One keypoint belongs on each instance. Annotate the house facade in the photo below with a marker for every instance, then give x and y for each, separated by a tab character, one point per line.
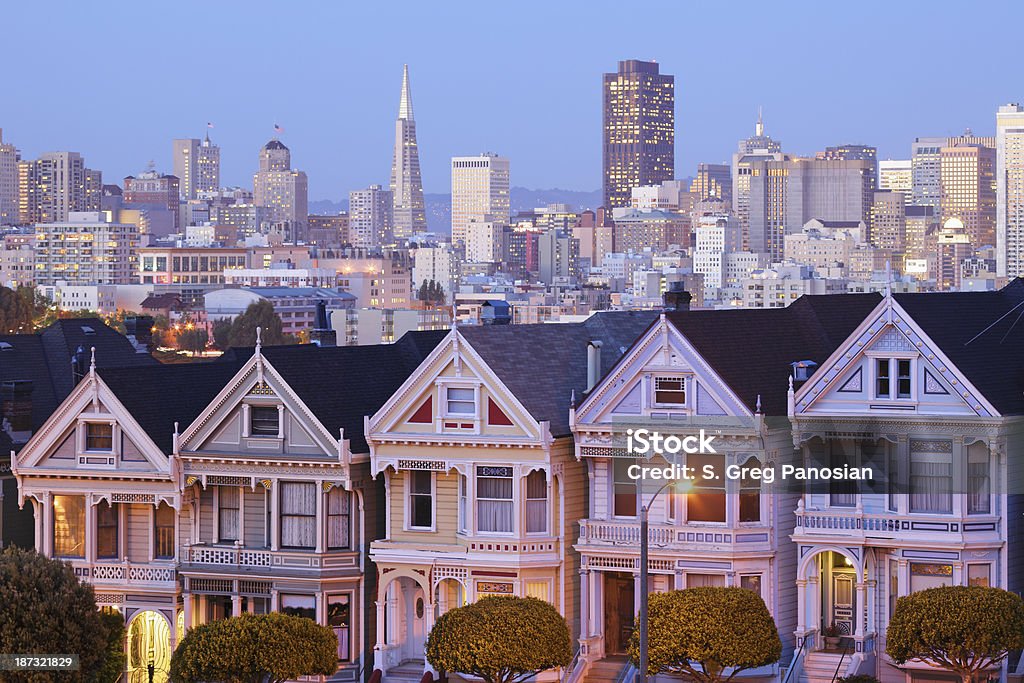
484	493
926	392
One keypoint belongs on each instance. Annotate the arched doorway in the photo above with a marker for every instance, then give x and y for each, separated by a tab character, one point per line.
149	642
834	601
449	594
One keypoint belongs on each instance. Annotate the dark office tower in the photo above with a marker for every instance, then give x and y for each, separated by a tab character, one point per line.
853	153
639	130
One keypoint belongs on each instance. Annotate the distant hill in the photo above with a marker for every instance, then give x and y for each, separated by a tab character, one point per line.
439	206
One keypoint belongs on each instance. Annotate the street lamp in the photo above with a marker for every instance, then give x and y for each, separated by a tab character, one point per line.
644	543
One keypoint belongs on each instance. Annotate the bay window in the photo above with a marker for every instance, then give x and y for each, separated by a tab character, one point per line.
298	515
624	489
338	519
228	502
706	503
979	501
750	493
931	476
163	532
421	499
299	605
339	618
106	531
494	499
536	502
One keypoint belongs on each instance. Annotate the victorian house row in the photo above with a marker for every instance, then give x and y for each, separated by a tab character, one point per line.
374	488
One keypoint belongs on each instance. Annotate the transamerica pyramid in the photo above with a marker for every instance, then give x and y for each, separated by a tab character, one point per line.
406	183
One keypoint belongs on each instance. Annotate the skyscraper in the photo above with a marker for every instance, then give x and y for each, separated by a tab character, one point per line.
408	214
155	189
968	192
283	191
1009	190
925	169
713	180
852	152
758	147
480	191
896	175
369	216
8	182
639	130
197	166
54	185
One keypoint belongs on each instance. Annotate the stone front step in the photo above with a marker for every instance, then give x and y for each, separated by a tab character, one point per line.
606	670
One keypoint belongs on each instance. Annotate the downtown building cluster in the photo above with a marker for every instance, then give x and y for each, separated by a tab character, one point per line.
373	488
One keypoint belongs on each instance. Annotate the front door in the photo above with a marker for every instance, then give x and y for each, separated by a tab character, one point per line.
415	620
619	611
843	608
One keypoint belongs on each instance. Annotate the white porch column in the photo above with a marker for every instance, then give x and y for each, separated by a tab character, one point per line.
38	510
90	529
958	572
236	599
319	524
202	609
378	648
186	599
584	604
872	626
679	581
859	613
275	600
814	584
47	525
801	605
241	515
275	522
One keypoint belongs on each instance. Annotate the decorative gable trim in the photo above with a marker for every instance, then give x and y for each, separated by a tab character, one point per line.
932	385
425	413
496	416
855	384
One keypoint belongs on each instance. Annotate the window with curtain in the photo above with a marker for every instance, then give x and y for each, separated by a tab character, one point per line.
494	499
99	436
702	580
925	575
536	502
979	501
842	492
298	514
750	494
163	532
978	575
69	526
624	488
228	503
463	482
421	499
339	618
751	582
706	502
338	519
106	530
931	476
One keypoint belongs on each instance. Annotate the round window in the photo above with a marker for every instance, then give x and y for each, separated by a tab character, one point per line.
419	608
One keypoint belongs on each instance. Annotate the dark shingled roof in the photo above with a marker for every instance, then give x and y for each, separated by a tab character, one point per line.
751	349
340	384
543	364
992	360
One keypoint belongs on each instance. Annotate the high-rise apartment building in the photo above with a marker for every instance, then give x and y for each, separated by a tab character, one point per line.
639	130
896	175
713	181
282	191
480	192
54	185
151	188
88	248
369	216
889	221
968	190
8	182
196	163
408	213
926	168
760	147
1009	190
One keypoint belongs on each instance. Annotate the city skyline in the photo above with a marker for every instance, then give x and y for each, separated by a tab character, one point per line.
344	143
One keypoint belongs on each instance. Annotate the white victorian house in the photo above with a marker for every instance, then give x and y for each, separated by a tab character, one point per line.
927	391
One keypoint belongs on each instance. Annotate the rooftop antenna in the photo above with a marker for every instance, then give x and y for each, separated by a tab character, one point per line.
759	128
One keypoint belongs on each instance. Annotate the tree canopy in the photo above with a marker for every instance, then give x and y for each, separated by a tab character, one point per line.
255	648
431	293
710	633
46	610
500	639
259	314
17	310
963	629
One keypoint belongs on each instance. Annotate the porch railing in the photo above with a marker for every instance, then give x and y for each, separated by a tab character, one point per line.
124	572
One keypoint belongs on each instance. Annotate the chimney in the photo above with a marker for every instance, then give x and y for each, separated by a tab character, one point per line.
676	297
78	364
139	330
593	363
322	334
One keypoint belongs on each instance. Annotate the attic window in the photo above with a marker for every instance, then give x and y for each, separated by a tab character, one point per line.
670	391
263	421
99	436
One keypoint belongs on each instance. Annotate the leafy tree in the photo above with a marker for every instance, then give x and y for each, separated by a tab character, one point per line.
255	648
194	340
710	634
500	639
46	610
259	314
431	293
963	629
116	659
222	333
17	309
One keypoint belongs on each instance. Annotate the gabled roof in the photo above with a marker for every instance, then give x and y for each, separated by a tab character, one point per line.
158	396
982	334
751	349
543	364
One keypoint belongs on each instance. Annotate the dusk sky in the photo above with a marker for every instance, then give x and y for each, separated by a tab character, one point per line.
520	78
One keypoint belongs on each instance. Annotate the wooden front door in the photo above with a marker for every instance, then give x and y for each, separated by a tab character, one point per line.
619	611
843	602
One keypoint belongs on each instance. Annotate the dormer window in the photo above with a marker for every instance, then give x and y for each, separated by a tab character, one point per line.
893	378
670	391
264	421
99	436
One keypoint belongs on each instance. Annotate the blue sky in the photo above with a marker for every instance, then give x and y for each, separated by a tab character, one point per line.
519	78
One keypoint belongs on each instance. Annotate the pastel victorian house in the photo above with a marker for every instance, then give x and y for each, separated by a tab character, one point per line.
927	391
723	373
484	490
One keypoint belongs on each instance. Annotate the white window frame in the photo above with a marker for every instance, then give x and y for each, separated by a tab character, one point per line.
407	522
474	416
687	385
114	436
547	503
516	501
893	359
